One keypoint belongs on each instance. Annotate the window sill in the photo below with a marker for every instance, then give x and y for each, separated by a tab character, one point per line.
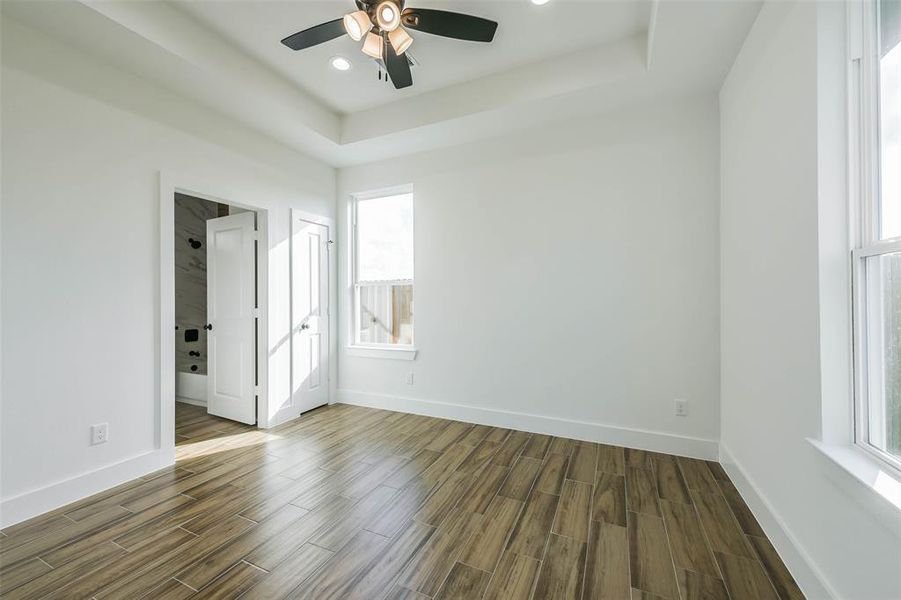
405	353
865	469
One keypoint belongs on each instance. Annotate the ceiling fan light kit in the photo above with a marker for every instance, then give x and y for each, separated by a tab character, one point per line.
373	46
357	24
400	39
382	25
387	15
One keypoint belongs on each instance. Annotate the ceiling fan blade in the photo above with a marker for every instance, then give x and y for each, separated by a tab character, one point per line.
398	68
315	35
449	24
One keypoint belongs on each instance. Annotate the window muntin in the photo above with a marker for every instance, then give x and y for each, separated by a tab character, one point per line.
877	254
383	270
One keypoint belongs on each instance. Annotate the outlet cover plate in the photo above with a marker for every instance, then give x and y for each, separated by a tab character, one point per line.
99	433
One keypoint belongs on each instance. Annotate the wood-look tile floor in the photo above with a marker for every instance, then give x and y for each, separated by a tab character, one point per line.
349	502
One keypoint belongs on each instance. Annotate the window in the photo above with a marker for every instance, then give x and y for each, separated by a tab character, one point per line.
383	270
877	253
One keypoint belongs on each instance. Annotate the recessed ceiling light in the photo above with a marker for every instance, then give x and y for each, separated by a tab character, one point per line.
339	63
539	2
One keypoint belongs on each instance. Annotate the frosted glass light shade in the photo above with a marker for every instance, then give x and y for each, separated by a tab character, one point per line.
387	15
356	24
400	40
373	46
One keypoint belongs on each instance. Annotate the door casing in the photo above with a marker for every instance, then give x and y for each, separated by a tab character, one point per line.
214	190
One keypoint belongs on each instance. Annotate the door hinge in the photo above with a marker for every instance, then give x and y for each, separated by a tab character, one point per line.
256	390
256	313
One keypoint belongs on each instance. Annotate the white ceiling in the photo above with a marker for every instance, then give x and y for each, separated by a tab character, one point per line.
526	33
566	59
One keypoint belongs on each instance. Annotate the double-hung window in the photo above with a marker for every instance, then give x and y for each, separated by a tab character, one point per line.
383	270
876	258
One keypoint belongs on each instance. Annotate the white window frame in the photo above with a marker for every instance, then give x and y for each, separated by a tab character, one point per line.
865	206
354	348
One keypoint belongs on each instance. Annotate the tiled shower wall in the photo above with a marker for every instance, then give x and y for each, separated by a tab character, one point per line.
191	215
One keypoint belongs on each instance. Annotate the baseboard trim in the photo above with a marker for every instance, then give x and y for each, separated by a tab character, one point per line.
191	401
36	502
808	577
590	432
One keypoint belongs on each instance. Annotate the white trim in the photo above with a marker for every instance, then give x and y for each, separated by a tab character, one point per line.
580	430
213	190
165	369
876	479
191	401
394	190
389	352
864	169
353	258
798	561
37	502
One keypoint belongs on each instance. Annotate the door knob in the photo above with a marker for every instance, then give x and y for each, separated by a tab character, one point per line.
208	326
305	326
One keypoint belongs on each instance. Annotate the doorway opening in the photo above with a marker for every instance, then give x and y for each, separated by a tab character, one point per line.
216	318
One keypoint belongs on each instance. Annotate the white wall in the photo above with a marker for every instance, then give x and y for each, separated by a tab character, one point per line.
569	272
80	251
784	278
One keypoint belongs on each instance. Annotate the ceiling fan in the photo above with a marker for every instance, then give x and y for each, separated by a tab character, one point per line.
384	24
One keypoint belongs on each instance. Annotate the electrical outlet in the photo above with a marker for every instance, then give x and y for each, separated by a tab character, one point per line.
410	378
99	434
680	408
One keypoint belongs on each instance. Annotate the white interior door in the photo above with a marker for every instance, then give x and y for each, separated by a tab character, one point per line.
231	299
309	315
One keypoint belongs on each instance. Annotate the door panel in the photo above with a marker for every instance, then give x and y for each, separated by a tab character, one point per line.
309	315
231	285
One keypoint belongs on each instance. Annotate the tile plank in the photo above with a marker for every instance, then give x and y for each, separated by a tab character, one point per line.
607	564
463	583
288	575
698	476
783	581
611	459
641	491
428	569
531	531
573	511
650	559
697	586
552	473
670	483
723	532
562	570
513	578
483	549
740	510
583	463
687	542
609	501
745	579
519	482
344	568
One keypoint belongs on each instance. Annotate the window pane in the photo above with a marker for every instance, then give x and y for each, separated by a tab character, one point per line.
883	318
385	314
890	117
385	238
